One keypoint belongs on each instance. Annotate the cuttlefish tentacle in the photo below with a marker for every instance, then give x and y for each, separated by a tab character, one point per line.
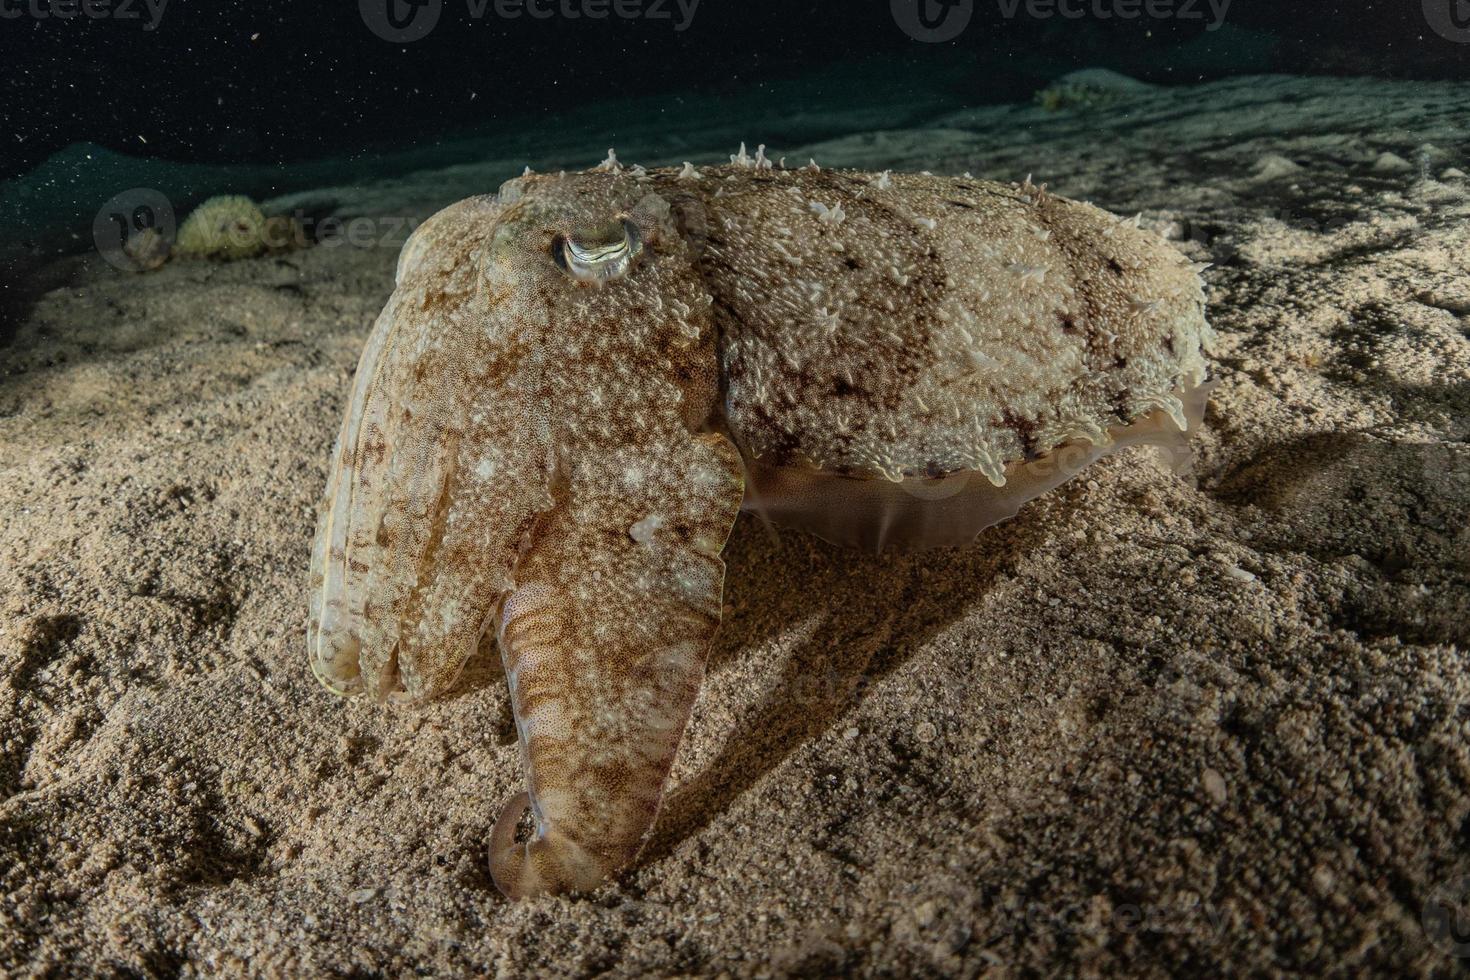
604	644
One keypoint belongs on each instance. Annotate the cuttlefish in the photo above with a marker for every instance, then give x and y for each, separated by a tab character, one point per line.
578	383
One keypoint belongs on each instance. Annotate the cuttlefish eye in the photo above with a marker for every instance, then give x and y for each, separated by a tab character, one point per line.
601	257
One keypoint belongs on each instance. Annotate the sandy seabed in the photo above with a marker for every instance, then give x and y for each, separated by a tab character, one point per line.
1151	725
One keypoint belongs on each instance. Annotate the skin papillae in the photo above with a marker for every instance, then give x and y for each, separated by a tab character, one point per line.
578	382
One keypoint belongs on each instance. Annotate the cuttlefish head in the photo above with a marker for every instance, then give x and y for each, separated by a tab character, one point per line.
468	402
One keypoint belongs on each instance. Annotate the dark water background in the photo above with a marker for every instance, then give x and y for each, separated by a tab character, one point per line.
300	93
274	81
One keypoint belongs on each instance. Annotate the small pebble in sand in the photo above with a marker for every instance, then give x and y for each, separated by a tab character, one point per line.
926	732
1214	784
1273	166
1392	163
1324	880
926	914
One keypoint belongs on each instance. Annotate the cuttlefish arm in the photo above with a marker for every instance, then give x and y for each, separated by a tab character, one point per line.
604	643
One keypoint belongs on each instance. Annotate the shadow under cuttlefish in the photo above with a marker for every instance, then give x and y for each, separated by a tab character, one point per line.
871	614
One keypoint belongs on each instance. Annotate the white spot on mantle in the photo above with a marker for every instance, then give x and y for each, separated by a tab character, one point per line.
644	530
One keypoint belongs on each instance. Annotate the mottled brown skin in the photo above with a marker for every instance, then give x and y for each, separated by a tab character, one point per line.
542	433
943	325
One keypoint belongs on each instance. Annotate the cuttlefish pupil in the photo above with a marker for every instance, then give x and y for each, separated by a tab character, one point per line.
601	257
